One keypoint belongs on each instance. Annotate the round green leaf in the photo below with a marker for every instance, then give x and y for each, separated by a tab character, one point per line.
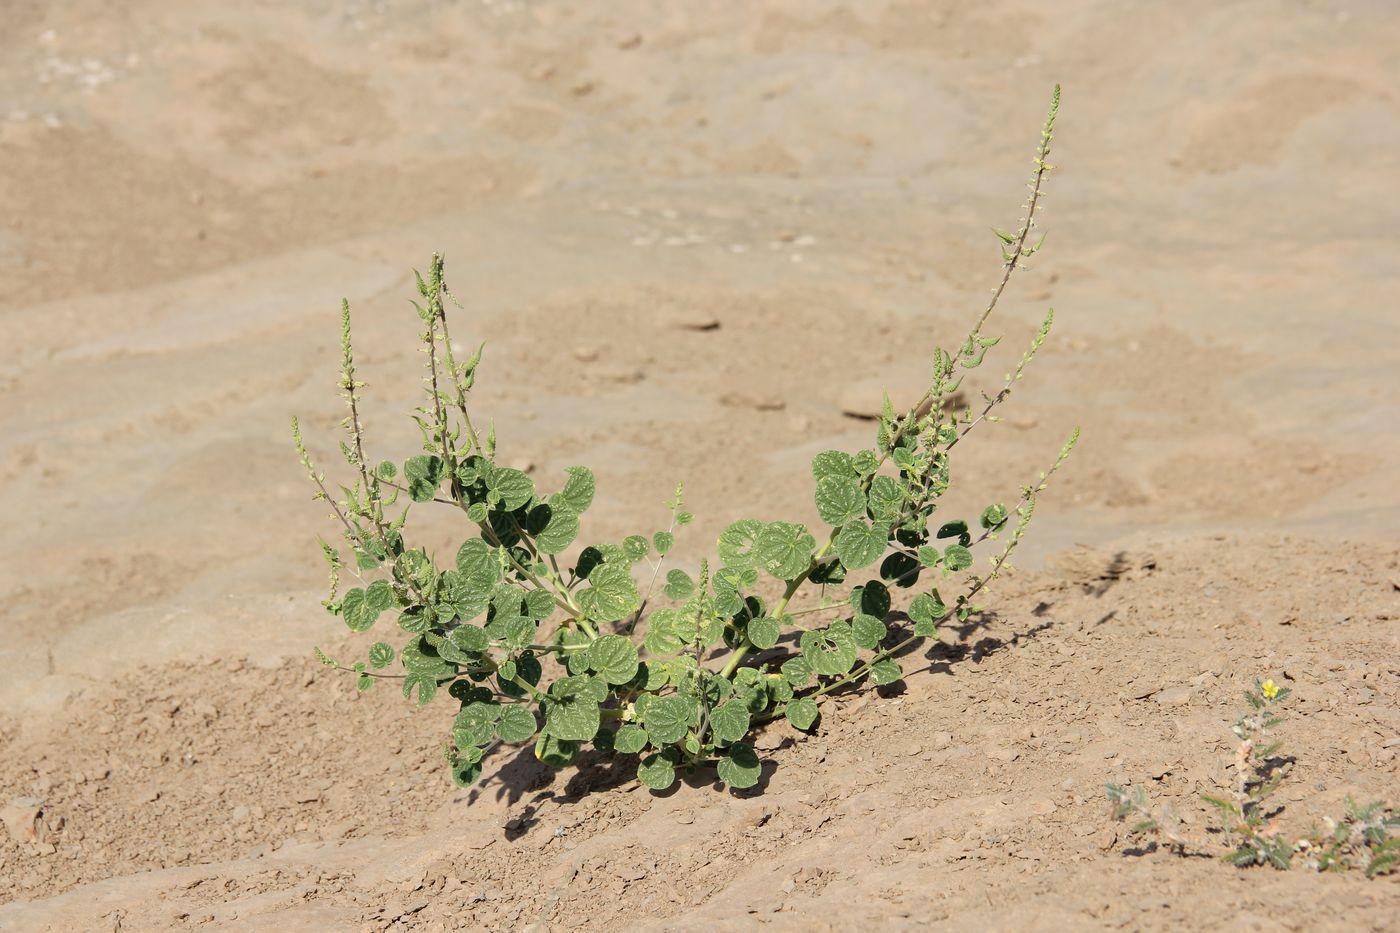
480	564
513	486
612	594
729	722
380	655
802	712
635	547
860	545
614	658
839	499
630	739
741	767
656	771
578	490
830	651
784	549
797	671
679	585
573	717
873	599
668	718
663	541
885	498
867	630
557	753
736	543
836	463
561	531
957	557
424	475
885	671
465	771
994	516
764	632
475	724
517	724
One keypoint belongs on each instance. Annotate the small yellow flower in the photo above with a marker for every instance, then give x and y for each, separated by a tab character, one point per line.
1270	689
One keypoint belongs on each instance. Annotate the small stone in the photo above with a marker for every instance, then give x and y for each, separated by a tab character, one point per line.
1174	696
585	354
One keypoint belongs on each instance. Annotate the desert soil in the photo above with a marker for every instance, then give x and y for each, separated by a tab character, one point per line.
694	238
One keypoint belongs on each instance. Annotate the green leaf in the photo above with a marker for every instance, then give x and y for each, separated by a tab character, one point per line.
679	585
764	632
830	651
517	724
614	658
668	718
737	542
802	712
513	486
357	614
784	549
363	682
612	593
470	638
927	611
663	541
885	498
839	499
479	563
873	599
994	516
424	475
539	604
797	672
630	739
555	752
475	724
885	671
425	684
571	709
465	771
957	557
386	470
741	767
562	530
833	463
657	771
867	630
729	722
635	547
578	490
860	545
866	462
380	655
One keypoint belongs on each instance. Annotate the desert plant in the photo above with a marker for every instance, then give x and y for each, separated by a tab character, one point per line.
534	646
1248	821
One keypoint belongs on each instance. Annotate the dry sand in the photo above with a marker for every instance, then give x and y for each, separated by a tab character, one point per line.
187	190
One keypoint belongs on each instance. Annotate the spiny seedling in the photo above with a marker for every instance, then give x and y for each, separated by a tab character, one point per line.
1248	818
537	640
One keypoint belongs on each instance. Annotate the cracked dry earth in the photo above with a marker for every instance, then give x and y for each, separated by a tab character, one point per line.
699	240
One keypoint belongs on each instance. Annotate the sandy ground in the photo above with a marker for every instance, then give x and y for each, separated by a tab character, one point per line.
187	190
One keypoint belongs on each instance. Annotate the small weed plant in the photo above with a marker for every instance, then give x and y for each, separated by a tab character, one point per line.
543	636
1361	839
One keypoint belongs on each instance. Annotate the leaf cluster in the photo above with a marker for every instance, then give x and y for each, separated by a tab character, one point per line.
542	635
